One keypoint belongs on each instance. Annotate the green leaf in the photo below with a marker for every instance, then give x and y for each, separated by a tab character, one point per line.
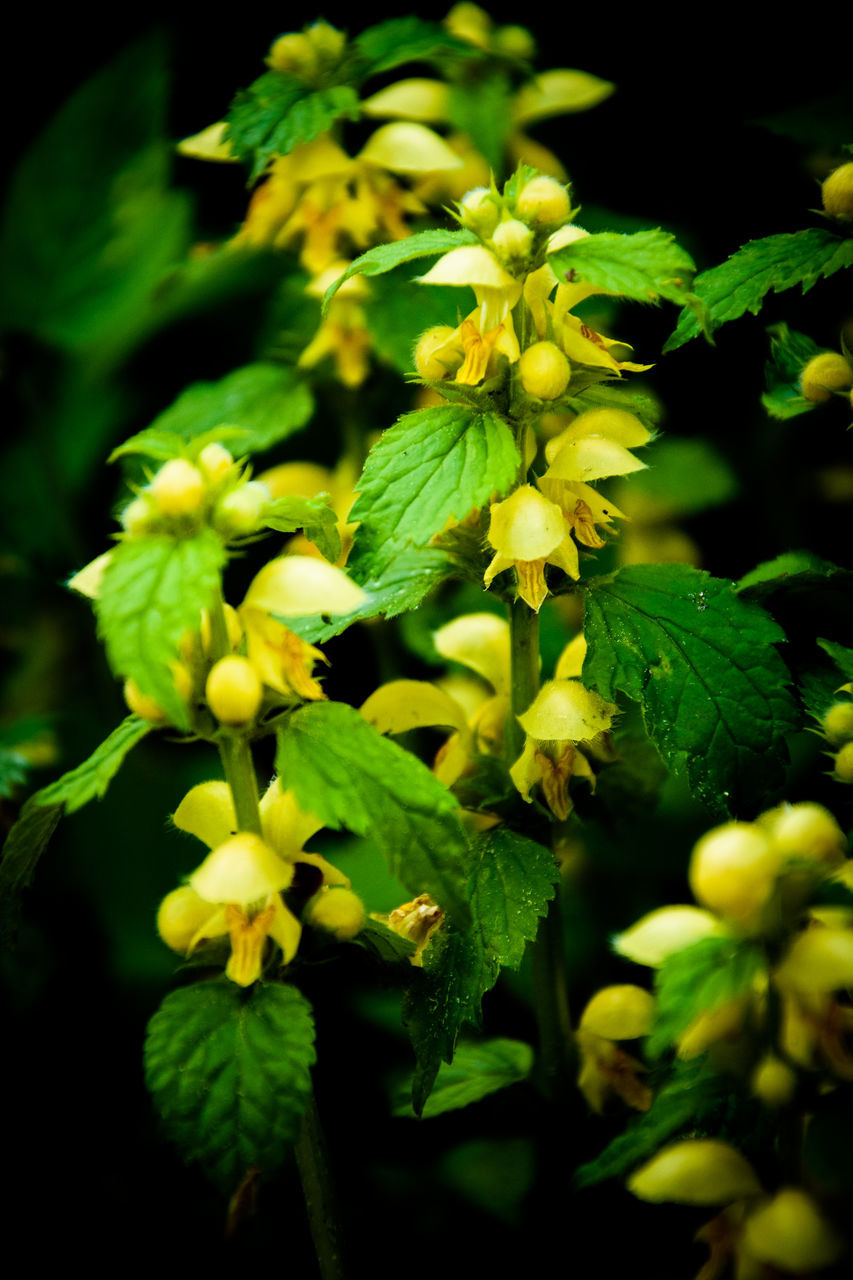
163	445
314	515
24	845
644	265
279	112
789	353
481	107
511	880
610	396
478	1069
229	1071
399	311
89	781
268	402
432	466
766	577
385	257
698	979
701	662
154	590
346	773
383	943
841	655
777	262
695	1102
688	476
400	40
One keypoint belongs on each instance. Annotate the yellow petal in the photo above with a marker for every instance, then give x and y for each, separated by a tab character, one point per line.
209	144
790	1232
241	871
470	265
564	710
297	586
614	424
300	478
286	827
286	930
697	1171
207	812
570	661
315	160
415	99
479	641
248	936
622	1012
663	932
592	458
553	93
411	704
281	659
819	960
526	526
406	147
528	769
331	874
720	1023
88	579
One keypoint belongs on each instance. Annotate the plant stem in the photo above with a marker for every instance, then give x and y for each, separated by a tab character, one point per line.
524	671
310	1152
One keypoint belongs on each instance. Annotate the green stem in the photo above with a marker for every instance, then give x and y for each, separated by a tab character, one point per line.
239	767
524	669
310	1152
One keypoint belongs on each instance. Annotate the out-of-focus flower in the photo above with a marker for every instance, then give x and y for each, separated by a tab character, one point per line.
615	1013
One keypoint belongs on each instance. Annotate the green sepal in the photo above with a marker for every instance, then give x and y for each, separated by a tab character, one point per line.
153	590
790	352
776	262
279	112
384	944
385	257
643	265
479	1067
314	515
340	769
698	979
229	1069
701	663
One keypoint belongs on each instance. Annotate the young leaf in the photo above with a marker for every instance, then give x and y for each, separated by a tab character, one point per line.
24	845
702	664
267	401
346	773
432	466
154	590
400	40
385	257
698	979
229	1071
479	1067
314	515
789	353
777	262
643	265
279	112
89	781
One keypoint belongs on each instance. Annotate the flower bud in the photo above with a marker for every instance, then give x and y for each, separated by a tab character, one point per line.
215	461
512	240
773	1081
233	690
790	1232
239	512
327	42
824	374
622	1012
340	911
436	366
137	516
469	22
696	1171
515	42
178	488
837	724
545	371
543	202
145	707
733	870
843	771
233	626
180	916
837	192
805	830
479	210
293	54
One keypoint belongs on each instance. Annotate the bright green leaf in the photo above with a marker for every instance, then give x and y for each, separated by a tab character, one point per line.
314	515
89	781
230	1073
702	664
346	773
777	262
841	655
162	445
279	112
697	980
154	590
789	353
644	265
479	1067
385	257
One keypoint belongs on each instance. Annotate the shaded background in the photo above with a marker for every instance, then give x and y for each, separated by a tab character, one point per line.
684	144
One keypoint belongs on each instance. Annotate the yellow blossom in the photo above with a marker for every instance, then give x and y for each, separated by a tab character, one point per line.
615	1013
488	329
528	532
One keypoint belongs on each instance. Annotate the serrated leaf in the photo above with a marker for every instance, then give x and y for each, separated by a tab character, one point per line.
701	663
267	401
511	880
409	39
481	107
841	655
314	515
24	845
346	773
162	445
385	257
479	1067
777	262
789	353
770	574
153	590
383	943
89	781
279	112
698	979
432	466
643	265
229	1070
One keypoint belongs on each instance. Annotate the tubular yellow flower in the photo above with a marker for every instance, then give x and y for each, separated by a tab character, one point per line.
696	1171
837	192
790	1232
339	911
662	933
417	921
563	714
489	328
528	532
615	1013
733	871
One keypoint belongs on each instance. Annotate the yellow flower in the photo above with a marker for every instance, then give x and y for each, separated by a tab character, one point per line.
528	532
343	332
488	329
615	1013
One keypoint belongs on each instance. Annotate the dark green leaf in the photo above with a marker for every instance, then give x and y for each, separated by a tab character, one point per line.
645	265
702	664
432	466
386	945
89	781
766	578
479	1067
777	262
409	39
346	773
314	515
154	590
13	771
611	396
24	845
230	1073
841	655
698	979
385	257
481	106
789	353
279	112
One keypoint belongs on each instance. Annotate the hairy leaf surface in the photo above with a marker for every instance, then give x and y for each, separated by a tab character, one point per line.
279	112
643	265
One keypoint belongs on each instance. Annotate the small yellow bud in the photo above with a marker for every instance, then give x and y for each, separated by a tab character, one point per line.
733	870
232	623
844	764
805	830
479	211
512	240
469	22
327	41
773	1081
543	202
233	690
180	916
141	705
137	515
837	724
239	512
515	42
837	192
696	1171
293	54
545	371
824	374
340	911
428	364
622	1012
790	1232
215	461
178	488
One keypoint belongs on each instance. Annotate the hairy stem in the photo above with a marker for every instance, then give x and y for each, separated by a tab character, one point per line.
524	668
